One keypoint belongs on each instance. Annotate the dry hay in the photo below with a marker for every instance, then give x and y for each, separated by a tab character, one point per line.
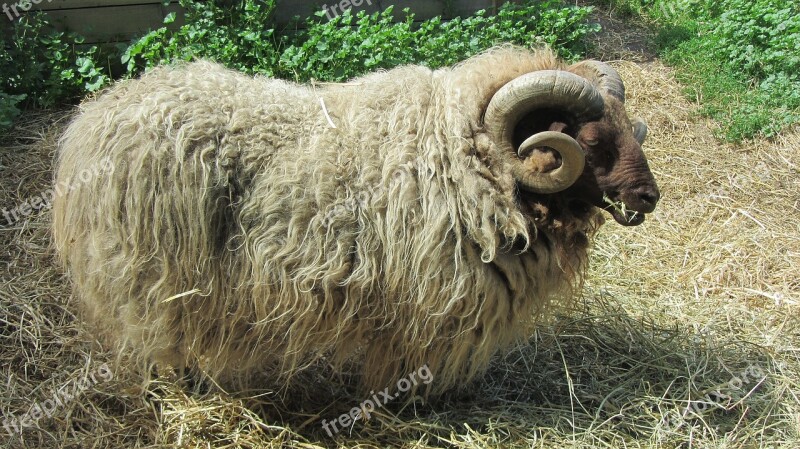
624	38
687	335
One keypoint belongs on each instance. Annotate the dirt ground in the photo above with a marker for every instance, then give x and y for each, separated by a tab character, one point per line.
686	335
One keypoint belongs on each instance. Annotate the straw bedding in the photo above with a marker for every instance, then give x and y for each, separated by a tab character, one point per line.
673	313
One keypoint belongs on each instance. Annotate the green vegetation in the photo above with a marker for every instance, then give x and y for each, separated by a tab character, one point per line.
741	58
41	67
350	45
44	67
239	35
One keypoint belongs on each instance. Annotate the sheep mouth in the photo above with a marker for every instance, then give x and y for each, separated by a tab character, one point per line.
622	214
582	209
627	217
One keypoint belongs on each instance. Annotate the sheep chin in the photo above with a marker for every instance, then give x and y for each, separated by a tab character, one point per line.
628	217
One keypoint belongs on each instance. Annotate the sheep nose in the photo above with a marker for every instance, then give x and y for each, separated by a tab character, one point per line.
648	196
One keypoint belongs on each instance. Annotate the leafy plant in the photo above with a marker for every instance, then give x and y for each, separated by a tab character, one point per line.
740	56
533	23
348	45
42	67
8	109
236	34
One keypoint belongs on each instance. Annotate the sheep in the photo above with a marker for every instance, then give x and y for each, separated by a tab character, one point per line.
408	218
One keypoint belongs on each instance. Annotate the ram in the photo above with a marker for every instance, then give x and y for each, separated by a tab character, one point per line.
410	217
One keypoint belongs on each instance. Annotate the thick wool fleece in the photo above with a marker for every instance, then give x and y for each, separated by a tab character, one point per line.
393	240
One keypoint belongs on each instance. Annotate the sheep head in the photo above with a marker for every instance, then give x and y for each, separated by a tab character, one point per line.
577	119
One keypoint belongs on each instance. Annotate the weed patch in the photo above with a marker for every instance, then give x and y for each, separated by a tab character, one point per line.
738	58
44	67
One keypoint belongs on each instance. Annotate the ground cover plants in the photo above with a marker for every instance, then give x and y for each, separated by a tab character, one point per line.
41	68
350	45
46	67
740	59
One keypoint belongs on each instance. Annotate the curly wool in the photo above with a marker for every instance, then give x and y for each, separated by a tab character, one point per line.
393	240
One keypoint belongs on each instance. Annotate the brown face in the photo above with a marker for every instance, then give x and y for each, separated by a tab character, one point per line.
616	177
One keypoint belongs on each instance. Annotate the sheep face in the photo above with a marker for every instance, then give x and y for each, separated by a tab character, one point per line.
616	176
567	133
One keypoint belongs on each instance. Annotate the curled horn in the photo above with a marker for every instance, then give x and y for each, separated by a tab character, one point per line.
608	80
536	90
605	77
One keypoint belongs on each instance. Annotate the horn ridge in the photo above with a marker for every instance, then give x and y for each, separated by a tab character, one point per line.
554	89
603	75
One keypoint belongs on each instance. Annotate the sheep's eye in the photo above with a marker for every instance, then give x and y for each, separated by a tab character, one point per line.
592	142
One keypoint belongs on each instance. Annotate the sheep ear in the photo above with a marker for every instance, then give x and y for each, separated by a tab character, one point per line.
558	127
639	130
